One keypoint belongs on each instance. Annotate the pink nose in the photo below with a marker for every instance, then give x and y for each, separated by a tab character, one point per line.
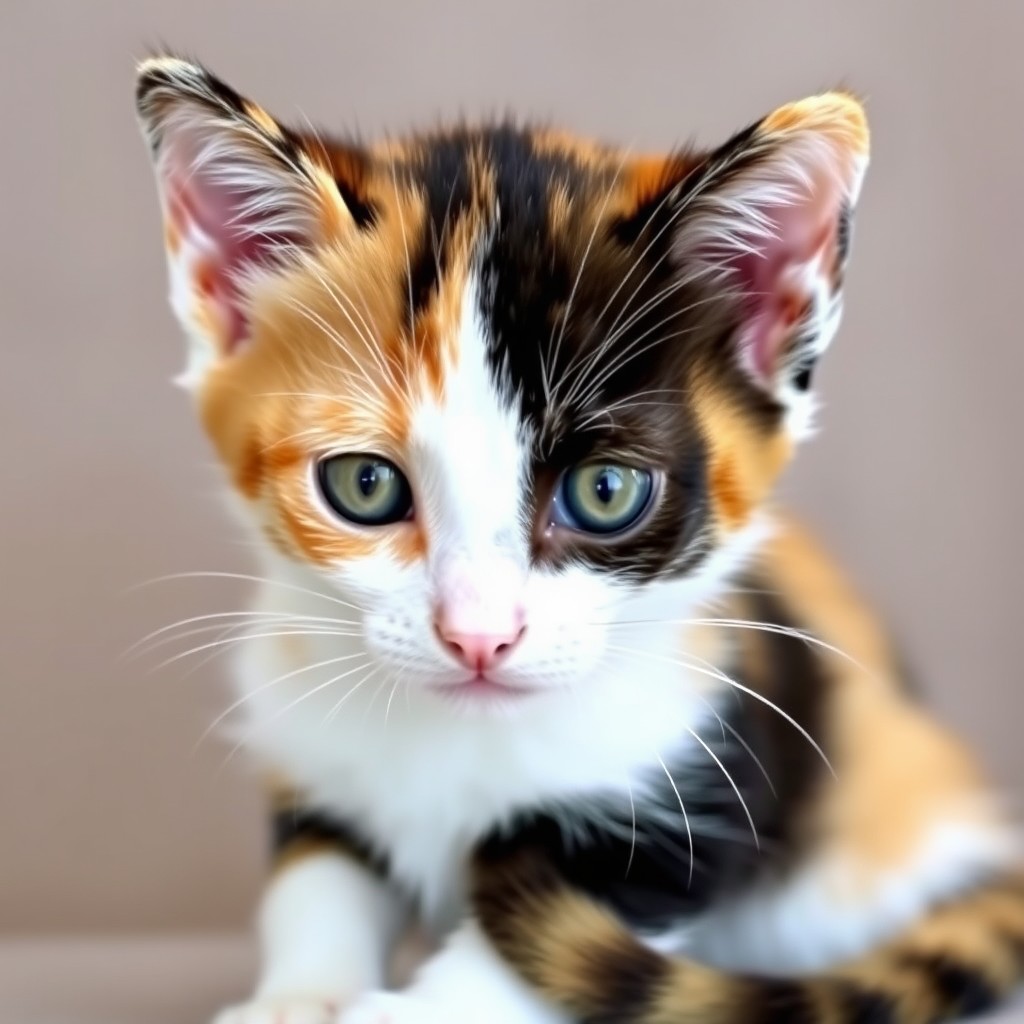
479	651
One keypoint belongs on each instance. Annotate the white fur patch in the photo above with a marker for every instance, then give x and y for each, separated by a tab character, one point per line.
327	925
466	983
834	909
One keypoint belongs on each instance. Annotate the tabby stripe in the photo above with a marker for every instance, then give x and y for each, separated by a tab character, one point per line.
585	960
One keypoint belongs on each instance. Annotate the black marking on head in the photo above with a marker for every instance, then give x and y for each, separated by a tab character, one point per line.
644	875
364	213
528	271
441	172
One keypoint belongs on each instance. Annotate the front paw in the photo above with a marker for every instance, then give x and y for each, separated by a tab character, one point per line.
283	1010
390	1008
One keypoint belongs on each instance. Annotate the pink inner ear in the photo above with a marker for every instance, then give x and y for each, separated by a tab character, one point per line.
221	237
779	280
217	254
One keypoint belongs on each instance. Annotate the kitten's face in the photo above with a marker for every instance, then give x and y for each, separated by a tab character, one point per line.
501	387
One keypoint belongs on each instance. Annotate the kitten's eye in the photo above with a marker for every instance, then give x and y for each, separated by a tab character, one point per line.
365	489
603	498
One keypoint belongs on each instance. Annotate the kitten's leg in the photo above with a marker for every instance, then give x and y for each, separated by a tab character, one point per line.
467	982
326	924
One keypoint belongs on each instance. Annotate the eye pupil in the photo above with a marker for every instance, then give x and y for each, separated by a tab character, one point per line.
607	485
368	479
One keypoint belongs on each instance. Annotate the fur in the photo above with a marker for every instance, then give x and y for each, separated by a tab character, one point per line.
664	773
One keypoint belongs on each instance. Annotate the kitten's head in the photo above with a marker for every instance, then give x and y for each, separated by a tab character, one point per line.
497	385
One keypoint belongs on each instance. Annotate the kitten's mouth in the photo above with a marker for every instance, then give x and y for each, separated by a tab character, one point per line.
481	688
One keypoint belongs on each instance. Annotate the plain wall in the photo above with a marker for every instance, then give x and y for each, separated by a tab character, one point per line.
108	818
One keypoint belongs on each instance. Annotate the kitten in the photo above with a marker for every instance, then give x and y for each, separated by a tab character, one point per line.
538	665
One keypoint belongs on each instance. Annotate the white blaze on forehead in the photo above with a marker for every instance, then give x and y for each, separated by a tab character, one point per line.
468	458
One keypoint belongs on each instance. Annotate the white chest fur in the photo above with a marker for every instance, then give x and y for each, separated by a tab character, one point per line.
424	780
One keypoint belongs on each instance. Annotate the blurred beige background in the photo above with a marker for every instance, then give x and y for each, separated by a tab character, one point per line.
108	821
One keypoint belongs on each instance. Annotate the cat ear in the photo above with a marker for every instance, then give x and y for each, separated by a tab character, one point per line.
240	195
766	218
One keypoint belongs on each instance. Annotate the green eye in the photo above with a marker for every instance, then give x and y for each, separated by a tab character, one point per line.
603	498
365	489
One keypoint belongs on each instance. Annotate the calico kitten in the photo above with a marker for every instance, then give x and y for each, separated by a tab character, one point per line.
537	663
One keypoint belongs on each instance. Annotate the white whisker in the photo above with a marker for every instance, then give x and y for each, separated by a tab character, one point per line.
263	687
686	818
548	365
333	713
251	636
715	673
632	841
245	578
242	614
732	782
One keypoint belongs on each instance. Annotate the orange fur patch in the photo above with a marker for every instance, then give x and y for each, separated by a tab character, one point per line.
899	771
744	462
836	114
333	364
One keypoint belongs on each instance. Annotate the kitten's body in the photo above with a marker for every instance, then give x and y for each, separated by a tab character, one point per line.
564	744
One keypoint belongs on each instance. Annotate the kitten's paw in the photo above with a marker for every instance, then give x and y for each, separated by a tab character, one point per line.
283	1010
390	1008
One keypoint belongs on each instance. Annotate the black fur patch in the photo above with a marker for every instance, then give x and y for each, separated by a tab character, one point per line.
297	824
628	981
636	858
802	379
964	989
780	1002
844	234
363	212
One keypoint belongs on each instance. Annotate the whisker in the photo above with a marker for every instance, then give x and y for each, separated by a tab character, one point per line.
626	355
746	746
317	320
366	332
333	713
686	817
637	262
245	578
408	261
373	699
281	712
250	636
715	673
391	697
751	624
632	841
732	782
548	365
224	630
369	339
263	687
255	614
